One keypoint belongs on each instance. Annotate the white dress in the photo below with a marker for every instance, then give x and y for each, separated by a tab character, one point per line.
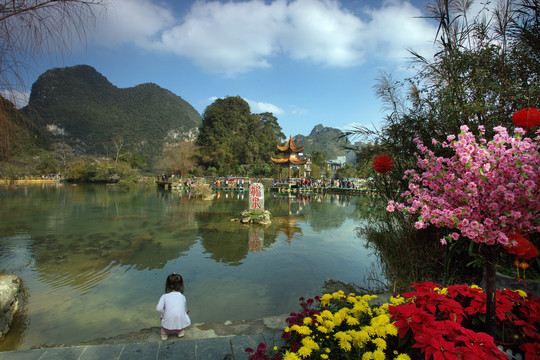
172	310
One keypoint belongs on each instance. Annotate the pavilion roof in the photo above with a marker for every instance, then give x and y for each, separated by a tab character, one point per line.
292	160
290	146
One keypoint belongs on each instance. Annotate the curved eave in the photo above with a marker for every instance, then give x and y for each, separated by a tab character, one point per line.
299	161
280	161
291	160
290	145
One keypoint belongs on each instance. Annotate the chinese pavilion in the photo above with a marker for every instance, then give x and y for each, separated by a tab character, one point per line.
290	157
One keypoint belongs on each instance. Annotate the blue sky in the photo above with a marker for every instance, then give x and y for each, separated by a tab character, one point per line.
307	61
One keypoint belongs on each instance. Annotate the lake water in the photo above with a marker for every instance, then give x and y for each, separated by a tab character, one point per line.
94	260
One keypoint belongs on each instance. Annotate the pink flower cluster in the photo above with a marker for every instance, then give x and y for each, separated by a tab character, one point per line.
486	190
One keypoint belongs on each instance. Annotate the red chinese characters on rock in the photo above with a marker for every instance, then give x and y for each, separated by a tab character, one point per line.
255	204
256	200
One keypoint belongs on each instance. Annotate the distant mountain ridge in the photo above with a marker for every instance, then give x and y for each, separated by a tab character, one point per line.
79	106
325	139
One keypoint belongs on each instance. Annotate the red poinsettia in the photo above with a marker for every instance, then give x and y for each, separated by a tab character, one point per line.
445	334
526	118
383	164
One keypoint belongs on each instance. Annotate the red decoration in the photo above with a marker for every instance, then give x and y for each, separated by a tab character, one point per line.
383	164
523	249
526	118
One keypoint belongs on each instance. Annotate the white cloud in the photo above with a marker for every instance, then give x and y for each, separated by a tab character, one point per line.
131	21
238	36
299	111
18	98
396	27
258	107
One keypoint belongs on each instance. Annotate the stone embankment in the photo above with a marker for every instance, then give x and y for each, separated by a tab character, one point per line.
10	289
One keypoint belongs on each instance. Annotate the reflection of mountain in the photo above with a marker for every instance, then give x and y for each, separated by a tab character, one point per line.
226	241
85	260
321	217
91	231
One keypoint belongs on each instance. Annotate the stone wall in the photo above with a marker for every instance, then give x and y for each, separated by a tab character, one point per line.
10	288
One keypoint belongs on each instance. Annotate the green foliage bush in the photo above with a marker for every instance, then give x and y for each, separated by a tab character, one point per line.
231	137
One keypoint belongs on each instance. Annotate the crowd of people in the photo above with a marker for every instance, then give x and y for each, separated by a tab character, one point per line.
323	183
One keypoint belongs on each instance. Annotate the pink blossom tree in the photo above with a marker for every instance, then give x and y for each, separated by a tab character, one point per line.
485	192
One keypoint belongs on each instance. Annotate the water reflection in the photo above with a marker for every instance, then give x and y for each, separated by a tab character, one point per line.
95	259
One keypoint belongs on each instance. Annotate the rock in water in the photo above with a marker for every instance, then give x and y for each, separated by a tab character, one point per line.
10	287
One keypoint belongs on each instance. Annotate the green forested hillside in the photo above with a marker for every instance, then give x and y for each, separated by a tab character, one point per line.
324	139
79	106
17	134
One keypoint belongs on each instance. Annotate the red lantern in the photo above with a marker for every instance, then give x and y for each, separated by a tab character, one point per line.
526	118
523	249
383	164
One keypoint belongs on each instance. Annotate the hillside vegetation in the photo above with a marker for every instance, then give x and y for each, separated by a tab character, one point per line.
324	139
79	124
80	107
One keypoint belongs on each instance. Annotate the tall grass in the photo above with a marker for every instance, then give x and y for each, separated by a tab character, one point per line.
409	255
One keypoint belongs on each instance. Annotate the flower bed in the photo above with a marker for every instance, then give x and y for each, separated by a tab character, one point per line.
429	322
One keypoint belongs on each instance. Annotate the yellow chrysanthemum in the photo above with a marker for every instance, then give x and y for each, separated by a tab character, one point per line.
354	337
322	329
290	356
352	299
443	291
352	321
329	325
342	336
344	312
302	330
370	330
379	343
326	314
327	350
367	356
324	356
362	337
325	299
391	329
304	352
383	308
338	319
380	320
475	287
345	345
402	357
359	309
378	355
308	321
522	293
275	348
338	295
310	343
397	300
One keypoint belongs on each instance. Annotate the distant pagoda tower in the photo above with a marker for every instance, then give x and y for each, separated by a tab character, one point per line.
290	157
